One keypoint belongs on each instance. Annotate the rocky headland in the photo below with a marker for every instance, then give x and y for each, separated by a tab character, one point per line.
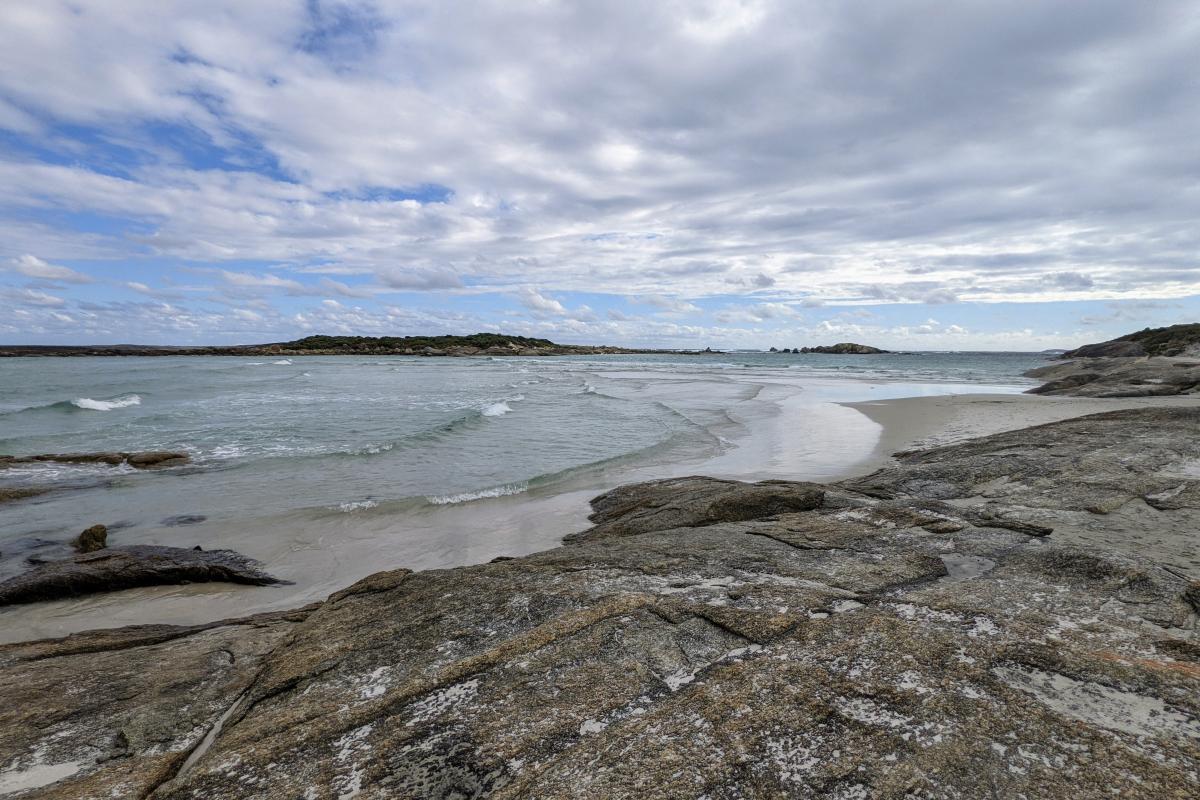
844	349
1155	362
975	620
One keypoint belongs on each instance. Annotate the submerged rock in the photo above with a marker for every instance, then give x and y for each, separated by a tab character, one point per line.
882	637
11	493
128	567
143	460
183	519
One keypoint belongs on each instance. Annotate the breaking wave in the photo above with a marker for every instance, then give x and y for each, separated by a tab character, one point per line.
483	494
88	404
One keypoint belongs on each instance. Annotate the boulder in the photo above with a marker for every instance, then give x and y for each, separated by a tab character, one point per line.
92	539
116	568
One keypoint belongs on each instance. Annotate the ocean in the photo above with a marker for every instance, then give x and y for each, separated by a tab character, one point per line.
330	468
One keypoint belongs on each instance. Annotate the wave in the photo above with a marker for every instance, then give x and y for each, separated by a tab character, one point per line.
497	409
125	401
352	506
283	362
502	407
506	490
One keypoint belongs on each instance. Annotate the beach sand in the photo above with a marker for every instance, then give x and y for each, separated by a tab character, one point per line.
914	423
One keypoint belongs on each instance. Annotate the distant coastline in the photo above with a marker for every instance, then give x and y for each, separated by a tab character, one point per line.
477	344
489	344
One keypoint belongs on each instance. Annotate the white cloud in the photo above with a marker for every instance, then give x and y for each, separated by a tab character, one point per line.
33	267
899	169
540	304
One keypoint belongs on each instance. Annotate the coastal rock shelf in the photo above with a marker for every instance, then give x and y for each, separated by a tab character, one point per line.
1120	377
925	631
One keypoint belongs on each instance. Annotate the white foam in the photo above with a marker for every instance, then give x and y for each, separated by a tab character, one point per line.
497	410
89	404
482	494
283	362
356	505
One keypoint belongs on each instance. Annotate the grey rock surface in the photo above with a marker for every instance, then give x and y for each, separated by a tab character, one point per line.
921	632
1120	377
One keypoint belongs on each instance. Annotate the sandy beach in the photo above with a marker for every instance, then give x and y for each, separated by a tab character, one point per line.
913	423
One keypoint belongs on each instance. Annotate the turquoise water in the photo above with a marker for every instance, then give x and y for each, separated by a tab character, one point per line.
328	468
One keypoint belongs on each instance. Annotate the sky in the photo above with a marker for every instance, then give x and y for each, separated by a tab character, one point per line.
724	173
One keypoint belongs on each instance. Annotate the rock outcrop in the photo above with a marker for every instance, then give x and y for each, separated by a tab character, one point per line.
108	569
844	348
919	632
1119	377
144	460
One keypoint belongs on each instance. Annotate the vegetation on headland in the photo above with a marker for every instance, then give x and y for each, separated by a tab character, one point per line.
840	349
1175	340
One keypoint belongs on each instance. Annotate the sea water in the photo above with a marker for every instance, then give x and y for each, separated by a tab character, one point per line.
330	468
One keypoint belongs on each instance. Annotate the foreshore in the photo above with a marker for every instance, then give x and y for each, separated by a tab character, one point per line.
522	524
1012	614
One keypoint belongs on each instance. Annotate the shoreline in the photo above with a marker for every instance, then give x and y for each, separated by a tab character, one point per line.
915	423
540	523
782	427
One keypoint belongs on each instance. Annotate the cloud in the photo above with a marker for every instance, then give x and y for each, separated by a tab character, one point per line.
1005	154
32	297
540	304
760	312
33	267
668	305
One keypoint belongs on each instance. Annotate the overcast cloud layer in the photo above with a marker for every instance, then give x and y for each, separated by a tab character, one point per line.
960	175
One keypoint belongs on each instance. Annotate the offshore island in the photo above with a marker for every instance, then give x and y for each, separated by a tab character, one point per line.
993	609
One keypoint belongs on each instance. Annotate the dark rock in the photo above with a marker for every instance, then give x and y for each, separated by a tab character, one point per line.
183	519
145	460
116	568
156	459
93	539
